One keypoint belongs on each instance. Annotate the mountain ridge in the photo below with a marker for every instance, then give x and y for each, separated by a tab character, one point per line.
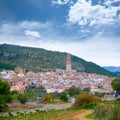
112	68
39	59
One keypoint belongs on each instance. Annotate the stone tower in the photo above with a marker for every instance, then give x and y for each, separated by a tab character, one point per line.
68	62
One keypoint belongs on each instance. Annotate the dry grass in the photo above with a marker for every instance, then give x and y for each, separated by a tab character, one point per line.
17	107
77	115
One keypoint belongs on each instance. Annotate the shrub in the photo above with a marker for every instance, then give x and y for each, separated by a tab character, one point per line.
63	96
22	98
3	107
14	92
90	105
10	114
107	112
47	98
115	112
100	112
85	99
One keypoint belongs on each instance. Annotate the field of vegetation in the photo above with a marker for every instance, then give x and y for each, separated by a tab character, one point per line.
67	114
102	111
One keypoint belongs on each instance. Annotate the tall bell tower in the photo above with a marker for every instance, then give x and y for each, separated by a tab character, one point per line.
68	62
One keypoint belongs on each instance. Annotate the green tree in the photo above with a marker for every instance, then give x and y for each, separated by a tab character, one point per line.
63	96
34	92
86	89
5	95
73	90
116	85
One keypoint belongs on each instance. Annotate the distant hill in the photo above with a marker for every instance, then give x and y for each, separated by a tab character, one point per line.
37	59
112	68
117	74
115	70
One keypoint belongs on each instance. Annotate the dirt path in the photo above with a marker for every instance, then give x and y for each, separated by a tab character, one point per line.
79	115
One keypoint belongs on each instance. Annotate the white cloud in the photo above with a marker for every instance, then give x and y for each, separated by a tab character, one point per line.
29	24
32	33
25	28
59	2
116	0
32	25
108	2
98	49
83	12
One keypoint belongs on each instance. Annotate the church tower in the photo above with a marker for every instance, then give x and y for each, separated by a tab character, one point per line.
68	62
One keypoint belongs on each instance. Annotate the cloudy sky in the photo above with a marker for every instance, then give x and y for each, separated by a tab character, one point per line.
89	29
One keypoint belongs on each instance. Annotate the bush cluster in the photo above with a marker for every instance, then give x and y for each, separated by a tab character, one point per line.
22	98
47	98
84	99
63	96
107	112
90	105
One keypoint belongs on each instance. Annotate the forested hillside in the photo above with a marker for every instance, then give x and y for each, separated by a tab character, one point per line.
37	59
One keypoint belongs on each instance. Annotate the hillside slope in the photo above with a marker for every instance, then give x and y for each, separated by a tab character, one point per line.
37	59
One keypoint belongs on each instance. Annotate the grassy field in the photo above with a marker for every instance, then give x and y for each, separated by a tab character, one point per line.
86	112
66	114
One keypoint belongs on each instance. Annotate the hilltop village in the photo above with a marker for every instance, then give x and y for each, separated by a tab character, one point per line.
57	81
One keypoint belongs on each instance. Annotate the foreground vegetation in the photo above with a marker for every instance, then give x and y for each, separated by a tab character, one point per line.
38	115
102	111
43	115
86	103
107	110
